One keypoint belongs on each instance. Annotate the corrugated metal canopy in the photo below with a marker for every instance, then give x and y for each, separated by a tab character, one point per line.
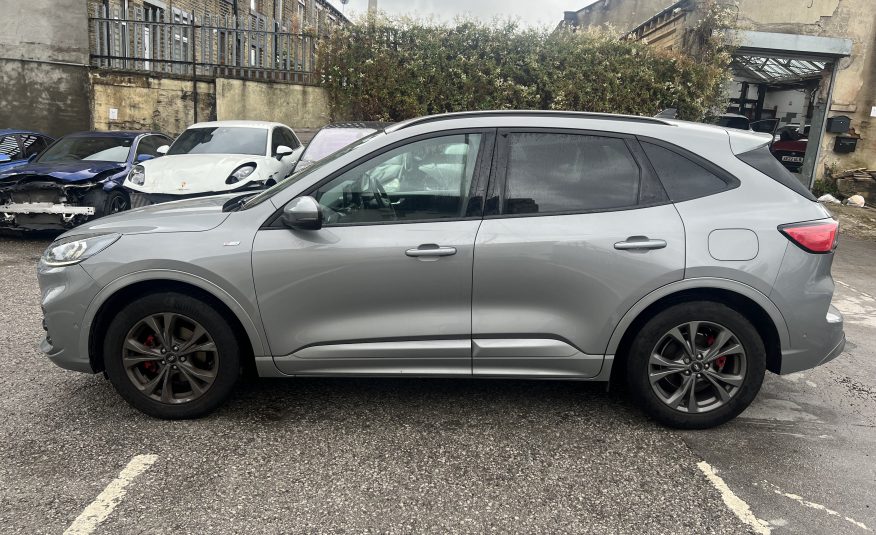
774	70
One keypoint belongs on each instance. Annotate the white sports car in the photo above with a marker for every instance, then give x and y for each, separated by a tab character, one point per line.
216	157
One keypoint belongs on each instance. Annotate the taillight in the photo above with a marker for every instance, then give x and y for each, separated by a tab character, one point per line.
813	237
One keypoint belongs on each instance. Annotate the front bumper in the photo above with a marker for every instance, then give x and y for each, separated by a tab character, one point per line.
66	293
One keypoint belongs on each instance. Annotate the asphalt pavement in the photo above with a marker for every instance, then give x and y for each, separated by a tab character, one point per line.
415	455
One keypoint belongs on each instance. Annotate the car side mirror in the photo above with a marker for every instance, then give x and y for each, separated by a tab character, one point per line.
163	149
5	158
303	213
144	157
283	151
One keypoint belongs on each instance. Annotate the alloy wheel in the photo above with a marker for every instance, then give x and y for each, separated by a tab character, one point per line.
170	358
697	367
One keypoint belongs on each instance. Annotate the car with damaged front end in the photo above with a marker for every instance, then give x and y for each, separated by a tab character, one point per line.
75	179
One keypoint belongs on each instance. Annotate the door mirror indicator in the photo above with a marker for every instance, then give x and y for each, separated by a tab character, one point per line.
303	213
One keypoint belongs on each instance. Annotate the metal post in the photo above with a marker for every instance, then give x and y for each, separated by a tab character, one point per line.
194	70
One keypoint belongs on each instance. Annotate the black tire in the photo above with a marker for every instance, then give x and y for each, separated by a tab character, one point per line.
638	365
108	202
226	367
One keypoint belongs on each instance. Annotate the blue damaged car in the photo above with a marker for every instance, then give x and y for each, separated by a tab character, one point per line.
75	179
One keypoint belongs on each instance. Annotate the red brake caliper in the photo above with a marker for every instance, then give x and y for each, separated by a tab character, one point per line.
150	365
720	361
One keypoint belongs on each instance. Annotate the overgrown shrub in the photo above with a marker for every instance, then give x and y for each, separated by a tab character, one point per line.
384	69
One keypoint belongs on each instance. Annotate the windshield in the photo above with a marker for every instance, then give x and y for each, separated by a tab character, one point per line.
331	140
283	184
100	148
221	140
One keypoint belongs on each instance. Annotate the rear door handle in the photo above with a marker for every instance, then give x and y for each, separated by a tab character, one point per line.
634	243
430	250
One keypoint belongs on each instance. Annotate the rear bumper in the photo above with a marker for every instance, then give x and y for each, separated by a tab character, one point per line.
819	348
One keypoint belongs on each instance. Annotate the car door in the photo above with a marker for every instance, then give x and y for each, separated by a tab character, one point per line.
280	137
577	229
384	287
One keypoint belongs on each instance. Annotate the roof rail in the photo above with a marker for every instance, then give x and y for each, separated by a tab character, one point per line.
526	113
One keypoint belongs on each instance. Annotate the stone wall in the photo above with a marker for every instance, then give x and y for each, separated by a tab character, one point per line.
166	104
299	106
43	66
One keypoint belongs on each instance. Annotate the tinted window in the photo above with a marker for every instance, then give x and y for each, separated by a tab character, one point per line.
682	178
9	147
221	140
101	148
149	145
32	144
551	173
424	180
763	160
282	136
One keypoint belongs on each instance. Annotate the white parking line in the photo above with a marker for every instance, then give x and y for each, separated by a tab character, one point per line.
98	510
819	507
734	502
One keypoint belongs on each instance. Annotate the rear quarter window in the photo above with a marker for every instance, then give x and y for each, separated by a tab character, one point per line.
763	160
682	178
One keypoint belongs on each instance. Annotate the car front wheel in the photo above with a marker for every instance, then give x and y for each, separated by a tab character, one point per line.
696	365
171	356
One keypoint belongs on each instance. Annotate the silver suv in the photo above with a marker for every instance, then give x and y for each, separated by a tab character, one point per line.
679	257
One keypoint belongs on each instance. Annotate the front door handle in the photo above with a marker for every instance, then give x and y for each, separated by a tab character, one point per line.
430	250
634	243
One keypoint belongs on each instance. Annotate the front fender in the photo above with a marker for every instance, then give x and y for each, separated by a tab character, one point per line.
256	337
694	284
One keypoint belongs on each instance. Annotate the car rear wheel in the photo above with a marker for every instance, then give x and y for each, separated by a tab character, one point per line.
171	356
696	365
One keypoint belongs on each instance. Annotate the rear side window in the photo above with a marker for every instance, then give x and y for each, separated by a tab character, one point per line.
682	178
9	147
556	173
763	160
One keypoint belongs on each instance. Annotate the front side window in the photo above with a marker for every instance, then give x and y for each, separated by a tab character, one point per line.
563	173
221	140
425	180
100	148
149	145
32	144
281	136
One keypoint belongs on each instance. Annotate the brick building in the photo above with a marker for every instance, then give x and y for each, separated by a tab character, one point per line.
294	16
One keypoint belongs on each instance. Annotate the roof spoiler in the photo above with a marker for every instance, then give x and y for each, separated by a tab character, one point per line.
668	113
743	141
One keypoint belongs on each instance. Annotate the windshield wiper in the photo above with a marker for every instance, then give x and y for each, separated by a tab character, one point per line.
236	203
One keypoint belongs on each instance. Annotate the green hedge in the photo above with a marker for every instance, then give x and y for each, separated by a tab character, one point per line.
391	70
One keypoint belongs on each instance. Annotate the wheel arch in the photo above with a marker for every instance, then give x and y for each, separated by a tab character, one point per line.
753	304
122	291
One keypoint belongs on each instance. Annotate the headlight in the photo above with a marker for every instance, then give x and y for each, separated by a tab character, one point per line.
138	175
240	173
75	249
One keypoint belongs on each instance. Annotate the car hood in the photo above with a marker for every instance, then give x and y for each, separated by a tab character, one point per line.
65	171
189	174
191	215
